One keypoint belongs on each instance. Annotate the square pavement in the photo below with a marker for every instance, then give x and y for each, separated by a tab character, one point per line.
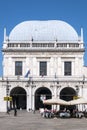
30	121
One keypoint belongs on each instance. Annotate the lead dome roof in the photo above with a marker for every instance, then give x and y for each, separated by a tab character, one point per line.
50	30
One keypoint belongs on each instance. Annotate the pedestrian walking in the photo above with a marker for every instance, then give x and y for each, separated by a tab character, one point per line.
15	112
8	111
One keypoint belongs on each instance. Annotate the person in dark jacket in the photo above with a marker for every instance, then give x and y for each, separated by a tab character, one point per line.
15	112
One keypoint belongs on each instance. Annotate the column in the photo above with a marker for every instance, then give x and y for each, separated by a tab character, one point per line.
28	99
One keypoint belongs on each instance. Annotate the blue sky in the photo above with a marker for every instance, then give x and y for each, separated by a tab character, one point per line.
12	12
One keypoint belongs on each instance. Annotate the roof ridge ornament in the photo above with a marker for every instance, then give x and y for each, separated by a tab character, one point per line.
81	34
4	34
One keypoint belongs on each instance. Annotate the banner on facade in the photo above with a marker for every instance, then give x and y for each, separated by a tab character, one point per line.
7	98
75	97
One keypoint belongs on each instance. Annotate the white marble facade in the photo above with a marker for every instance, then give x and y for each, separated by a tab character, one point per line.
54	42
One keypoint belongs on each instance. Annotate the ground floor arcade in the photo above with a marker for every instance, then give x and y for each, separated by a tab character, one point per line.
32	98
31	95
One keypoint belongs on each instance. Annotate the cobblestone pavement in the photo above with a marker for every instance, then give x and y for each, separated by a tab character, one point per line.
30	121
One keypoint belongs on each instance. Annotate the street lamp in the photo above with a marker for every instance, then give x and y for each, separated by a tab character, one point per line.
77	90
83	81
7	94
29	82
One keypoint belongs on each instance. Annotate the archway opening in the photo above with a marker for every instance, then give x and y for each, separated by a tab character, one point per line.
41	94
67	94
18	95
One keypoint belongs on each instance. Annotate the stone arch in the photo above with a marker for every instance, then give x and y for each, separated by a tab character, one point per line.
67	94
18	95
41	94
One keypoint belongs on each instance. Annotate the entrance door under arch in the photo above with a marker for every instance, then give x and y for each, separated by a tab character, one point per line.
18	97
67	94
41	94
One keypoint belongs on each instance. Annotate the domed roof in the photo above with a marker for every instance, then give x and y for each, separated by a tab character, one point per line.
50	30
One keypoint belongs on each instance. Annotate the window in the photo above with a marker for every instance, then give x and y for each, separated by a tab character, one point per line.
67	68
18	67
43	68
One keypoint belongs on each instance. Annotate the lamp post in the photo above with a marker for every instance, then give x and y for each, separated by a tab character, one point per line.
77	90
30	84
83	81
7	94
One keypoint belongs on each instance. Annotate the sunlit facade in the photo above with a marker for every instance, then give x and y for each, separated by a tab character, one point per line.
42	60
